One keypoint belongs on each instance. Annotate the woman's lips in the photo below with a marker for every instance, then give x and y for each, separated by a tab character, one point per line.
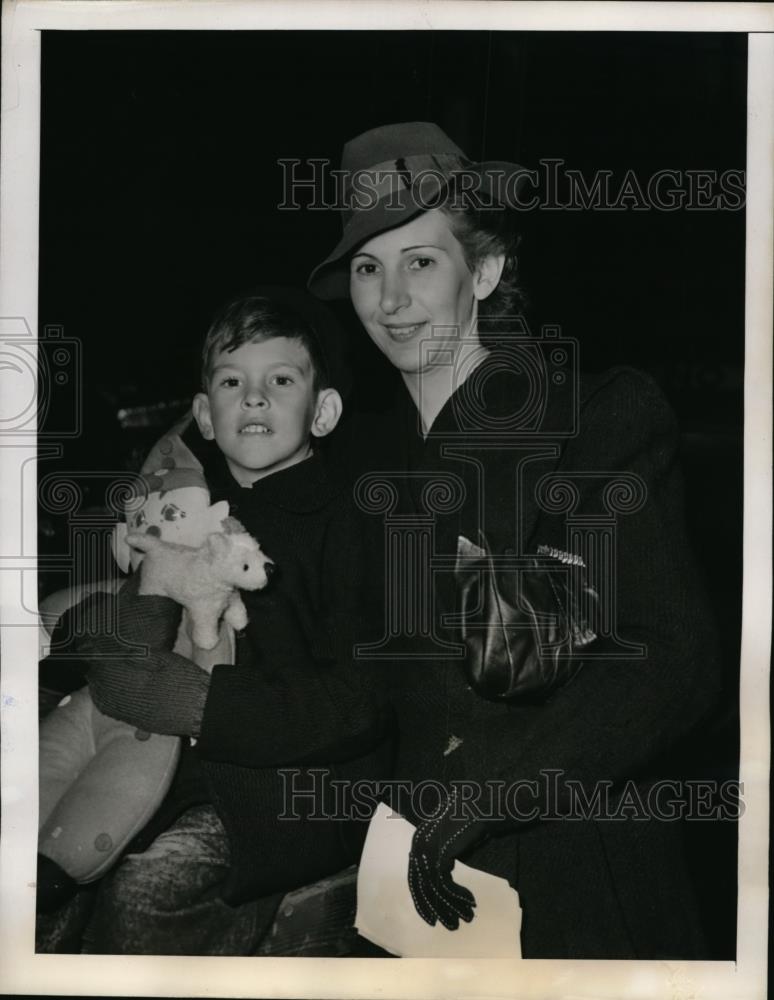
403	331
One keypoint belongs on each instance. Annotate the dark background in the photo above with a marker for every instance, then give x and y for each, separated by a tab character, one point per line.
159	194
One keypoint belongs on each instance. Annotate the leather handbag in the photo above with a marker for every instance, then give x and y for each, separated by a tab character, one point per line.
525	623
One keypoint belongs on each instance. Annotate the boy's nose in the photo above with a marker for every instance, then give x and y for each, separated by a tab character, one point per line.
254	398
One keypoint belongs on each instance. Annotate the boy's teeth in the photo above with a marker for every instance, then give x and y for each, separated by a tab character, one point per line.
254	429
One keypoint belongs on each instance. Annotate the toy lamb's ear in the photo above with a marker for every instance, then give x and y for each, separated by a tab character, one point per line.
143	541
217	545
216	514
120	547
232	526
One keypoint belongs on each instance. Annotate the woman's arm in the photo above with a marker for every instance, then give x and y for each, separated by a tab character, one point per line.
618	715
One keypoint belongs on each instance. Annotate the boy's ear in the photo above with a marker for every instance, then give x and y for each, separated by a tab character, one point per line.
201	412
327	412
487	275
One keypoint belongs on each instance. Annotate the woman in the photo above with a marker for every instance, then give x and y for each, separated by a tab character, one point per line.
529	458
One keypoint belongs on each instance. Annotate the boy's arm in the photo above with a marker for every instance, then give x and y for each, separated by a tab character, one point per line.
255	722
126	641
319	706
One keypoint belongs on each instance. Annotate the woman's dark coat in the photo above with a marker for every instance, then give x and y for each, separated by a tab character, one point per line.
589	888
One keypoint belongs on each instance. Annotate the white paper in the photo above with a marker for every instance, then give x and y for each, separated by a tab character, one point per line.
385	909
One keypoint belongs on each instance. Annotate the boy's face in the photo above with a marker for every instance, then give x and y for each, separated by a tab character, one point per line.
261	407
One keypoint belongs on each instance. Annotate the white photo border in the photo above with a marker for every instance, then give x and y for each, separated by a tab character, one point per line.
22	971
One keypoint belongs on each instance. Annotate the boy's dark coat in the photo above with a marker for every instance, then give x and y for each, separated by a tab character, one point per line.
294	700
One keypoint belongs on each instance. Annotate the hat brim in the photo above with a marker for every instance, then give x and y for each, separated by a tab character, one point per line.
330	279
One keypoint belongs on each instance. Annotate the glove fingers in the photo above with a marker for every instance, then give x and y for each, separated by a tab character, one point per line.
422	893
457	899
437	897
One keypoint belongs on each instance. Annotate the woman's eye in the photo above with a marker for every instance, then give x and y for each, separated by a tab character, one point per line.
365	268
420	263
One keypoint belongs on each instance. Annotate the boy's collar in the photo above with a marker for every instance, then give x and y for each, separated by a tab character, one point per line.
304	487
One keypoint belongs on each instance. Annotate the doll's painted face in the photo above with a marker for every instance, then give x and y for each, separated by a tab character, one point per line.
181	515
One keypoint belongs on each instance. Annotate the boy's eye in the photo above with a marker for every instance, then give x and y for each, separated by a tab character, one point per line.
229	381
281	380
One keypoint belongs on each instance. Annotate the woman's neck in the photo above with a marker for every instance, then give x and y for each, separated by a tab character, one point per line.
430	389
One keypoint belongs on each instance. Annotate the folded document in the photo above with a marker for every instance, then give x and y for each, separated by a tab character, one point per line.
385	909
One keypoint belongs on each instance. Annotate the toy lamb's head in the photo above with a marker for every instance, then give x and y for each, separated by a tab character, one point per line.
236	557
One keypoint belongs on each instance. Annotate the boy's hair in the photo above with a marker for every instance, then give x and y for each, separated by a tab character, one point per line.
250	318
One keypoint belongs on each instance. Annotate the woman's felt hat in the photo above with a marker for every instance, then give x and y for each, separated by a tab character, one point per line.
393	173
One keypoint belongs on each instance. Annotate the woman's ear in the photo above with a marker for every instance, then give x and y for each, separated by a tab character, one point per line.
201	412
487	275
327	412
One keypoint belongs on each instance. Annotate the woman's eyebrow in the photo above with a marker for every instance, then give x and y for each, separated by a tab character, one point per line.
424	246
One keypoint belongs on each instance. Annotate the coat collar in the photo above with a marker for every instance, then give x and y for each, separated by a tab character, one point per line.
510	399
301	488
483	414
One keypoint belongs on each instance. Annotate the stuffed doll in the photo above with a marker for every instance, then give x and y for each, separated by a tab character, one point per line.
100	779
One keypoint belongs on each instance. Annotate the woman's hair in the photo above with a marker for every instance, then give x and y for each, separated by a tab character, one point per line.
482	232
251	318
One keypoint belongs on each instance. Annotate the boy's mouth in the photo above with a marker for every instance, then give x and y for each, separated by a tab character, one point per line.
255	429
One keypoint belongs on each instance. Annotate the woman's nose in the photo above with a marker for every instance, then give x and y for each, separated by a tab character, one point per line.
394	293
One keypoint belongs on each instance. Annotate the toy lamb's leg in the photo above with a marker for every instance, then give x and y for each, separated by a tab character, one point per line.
236	612
204	620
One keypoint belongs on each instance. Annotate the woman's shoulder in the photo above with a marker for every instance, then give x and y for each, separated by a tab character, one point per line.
622	413
624	394
621	380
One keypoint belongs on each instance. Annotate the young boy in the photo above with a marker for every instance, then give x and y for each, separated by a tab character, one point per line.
245	819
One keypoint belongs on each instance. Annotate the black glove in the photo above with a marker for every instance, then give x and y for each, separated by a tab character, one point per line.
434	848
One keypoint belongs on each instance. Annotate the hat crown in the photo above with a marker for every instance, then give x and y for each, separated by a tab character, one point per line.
405	169
391	142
